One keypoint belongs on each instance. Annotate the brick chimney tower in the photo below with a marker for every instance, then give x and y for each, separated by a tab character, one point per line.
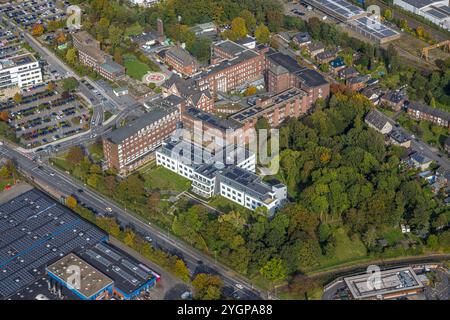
159	28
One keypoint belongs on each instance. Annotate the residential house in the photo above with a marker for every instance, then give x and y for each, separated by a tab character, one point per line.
326	56
420	161
378	121
302	39
315	48
398	138
347	73
394	99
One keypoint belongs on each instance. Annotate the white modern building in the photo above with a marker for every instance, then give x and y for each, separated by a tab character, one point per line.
248	190
21	71
229	172
437	11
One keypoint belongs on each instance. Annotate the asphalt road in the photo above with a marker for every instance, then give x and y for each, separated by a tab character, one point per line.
50	178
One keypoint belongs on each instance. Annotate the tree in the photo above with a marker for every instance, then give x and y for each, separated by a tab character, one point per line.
51	86
262	34
274	20
153	200
118	56
273	270
17	98
250	91
238	28
70	84
75	155
4	116
201	49
71	55
181	271
61	38
249	18
129	238
207	287
388	14
71	202
37	30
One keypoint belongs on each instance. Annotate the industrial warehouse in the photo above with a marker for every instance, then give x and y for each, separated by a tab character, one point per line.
357	19
40	239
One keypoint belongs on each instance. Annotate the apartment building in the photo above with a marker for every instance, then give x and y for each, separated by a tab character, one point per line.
188	90
421	111
90	54
129	147
179	59
283	73
19	71
277	108
228	171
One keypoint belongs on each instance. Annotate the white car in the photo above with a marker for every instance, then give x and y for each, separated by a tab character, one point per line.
239	286
108	209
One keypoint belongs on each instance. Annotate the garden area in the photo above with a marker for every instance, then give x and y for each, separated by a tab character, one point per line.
432	134
134	67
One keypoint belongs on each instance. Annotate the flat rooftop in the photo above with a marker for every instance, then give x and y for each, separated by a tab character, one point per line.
274	101
392	281
339	8
92	281
194	155
128	274
35	231
212	120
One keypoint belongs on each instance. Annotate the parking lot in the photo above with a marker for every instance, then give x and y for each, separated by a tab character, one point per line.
44	116
28	13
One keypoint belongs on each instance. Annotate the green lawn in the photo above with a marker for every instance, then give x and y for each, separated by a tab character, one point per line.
62	164
346	249
134	68
164	179
224	205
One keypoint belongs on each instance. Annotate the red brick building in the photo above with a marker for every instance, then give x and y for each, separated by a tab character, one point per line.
188	90
291	103
128	147
181	60
233	65
283	73
421	111
90	54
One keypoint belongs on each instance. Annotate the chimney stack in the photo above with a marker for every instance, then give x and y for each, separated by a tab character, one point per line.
159	27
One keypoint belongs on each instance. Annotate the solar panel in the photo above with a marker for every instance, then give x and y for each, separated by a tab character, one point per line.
108	252
125	275
98	258
141	273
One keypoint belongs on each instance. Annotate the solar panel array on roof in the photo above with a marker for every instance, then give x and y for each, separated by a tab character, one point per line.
436	13
341	8
127	274
34	232
374	28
